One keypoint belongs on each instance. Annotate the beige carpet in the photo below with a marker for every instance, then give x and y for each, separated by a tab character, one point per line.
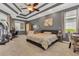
19	47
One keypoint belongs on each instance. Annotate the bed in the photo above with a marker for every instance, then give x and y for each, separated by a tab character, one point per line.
44	39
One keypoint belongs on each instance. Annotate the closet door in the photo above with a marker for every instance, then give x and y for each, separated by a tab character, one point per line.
28	27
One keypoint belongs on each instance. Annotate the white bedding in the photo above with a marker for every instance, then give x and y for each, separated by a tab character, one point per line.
44	39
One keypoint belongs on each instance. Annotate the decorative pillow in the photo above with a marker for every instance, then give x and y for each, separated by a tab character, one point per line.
47	32
36	31
31	32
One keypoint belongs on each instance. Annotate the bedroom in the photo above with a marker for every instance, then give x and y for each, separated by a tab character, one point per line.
50	26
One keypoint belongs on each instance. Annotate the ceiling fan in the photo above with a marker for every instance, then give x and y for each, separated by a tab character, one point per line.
31	7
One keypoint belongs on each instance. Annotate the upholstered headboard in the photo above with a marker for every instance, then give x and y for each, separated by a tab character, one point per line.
52	31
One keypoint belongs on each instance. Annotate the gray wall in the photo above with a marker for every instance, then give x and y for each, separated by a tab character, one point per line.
78	20
57	19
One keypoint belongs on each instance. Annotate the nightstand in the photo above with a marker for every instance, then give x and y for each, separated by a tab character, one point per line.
60	36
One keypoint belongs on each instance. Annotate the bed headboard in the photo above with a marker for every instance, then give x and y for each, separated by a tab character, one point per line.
53	31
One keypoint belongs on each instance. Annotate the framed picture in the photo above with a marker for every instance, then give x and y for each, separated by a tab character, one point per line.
48	22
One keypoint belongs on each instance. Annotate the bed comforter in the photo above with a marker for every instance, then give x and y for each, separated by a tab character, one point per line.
44	39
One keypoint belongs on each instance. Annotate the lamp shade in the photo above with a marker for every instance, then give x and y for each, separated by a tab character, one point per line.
35	26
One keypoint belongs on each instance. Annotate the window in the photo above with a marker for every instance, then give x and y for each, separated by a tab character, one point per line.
22	26
70	22
19	26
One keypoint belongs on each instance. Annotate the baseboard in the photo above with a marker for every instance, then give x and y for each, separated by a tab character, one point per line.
65	42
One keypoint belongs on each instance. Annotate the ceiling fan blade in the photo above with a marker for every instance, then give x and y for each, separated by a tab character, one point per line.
23	8
29	5
35	4
36	10
30	12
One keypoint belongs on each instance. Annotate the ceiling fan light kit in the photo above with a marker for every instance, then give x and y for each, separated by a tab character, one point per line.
31	7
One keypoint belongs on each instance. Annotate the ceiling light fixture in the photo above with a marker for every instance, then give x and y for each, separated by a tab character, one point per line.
31	7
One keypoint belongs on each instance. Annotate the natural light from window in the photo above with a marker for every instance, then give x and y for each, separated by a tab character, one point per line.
70	21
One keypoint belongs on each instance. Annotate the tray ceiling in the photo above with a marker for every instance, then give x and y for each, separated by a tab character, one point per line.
16	11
